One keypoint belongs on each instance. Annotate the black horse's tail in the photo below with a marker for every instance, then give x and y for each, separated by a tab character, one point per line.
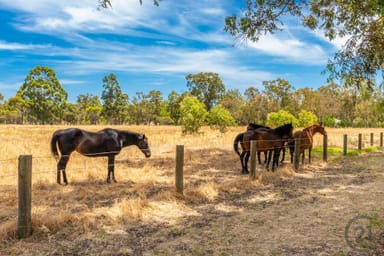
238	138
54	151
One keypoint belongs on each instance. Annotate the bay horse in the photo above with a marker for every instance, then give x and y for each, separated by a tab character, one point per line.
107	142
271	140
306	140
239	139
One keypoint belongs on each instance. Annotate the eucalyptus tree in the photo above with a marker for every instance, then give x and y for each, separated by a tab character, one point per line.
360	59
115	102
89	108
207	87
43	94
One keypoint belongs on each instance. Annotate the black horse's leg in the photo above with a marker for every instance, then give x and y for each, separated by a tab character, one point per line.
309	155
268	155
111	168
61	165
302	157
275	162
247	155
265	157
242	161
259	156
283	158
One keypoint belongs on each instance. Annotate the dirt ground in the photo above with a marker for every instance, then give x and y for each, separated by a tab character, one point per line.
334	208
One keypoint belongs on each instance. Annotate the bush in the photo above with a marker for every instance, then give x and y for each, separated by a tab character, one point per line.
307	118
281	117
220	118
193	115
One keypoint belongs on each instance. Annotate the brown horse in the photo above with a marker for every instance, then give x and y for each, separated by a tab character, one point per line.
239	139
267	140
107	142
306	140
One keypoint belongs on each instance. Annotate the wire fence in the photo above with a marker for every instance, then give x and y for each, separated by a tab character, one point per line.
44	167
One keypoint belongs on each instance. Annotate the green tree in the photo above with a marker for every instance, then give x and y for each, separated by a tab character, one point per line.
44	96
358	61
220	118
234	102
256	107
88	108
16	107
141	109
114	100
155	100
193	115
279	92
280	118
207	87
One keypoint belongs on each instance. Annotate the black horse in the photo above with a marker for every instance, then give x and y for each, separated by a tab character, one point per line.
107	142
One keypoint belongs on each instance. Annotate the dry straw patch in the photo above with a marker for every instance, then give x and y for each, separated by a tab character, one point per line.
144	194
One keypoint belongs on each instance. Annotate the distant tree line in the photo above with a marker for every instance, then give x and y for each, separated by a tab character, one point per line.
42	100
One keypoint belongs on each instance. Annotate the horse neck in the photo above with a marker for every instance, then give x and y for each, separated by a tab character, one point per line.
281	131
131	138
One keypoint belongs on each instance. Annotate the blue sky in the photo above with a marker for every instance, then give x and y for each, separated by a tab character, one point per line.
148	47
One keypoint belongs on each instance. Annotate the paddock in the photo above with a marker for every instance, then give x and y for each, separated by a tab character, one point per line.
220	212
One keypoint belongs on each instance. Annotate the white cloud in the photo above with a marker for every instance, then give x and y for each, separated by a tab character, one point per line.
294	50
16	46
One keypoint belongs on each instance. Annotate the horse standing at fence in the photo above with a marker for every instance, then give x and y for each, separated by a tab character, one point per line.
107	142
239	139
306	140
267	140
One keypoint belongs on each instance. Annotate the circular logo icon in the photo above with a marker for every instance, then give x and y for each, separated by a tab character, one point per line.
358	232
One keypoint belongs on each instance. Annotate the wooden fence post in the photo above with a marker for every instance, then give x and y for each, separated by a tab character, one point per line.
325	148
253	159
296	158
381	139
179	168
360	141
345	144
371	139
24	221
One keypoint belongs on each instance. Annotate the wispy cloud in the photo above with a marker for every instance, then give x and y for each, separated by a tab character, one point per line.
292	49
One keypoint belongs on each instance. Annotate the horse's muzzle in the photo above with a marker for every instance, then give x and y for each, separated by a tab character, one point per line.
146	152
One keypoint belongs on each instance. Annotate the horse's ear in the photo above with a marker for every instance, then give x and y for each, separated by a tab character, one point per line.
321	123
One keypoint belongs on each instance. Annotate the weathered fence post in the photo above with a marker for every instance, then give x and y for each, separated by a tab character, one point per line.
179	168
360	141
296	158
253	159
24	221
325	148
381	139
371	139
345	144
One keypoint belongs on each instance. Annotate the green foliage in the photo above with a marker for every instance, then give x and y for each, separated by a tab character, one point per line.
281	117
207	87
114	100
307	118
361	58
220	118
44	96
193	114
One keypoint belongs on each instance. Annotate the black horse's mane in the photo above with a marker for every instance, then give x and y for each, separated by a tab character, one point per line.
282	130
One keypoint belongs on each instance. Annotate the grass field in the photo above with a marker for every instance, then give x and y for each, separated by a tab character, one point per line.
142	215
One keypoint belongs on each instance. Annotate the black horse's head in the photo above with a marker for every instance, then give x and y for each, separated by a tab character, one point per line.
142	143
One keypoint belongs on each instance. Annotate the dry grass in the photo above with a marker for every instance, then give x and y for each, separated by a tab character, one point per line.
144	194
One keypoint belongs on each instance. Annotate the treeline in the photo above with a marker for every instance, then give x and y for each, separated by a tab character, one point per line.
42	100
